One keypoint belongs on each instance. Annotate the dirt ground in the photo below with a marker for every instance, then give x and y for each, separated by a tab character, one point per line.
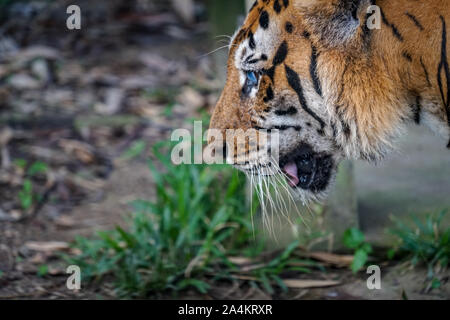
77	102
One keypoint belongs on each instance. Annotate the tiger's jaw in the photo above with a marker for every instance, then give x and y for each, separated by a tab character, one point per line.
307	170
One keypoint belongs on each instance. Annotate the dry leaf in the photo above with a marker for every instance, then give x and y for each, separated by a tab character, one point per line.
253	267
338	260
240	260
246	278
39	258
304	284
80	150
91	184
49	246
65	221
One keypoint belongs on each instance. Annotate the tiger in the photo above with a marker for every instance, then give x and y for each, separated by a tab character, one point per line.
337	79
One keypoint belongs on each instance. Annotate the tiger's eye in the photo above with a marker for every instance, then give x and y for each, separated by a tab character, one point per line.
251	81
252	78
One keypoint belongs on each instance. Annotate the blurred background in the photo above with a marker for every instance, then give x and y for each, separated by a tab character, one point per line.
81	112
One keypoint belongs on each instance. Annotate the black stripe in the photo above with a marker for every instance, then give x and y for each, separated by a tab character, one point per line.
344	125
283	128
277	6
248	58
253	6
269	94
270	72
346	128
239	37
281	54
289	112
251	40
444	68
289	27
294	82
407	56
395	31
313	71
264	20
416	22
427	76
417	109
341	91
333	126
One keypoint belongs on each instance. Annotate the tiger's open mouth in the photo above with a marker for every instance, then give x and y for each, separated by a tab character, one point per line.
307	169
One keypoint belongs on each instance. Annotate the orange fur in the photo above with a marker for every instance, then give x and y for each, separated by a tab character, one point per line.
376	77
373	81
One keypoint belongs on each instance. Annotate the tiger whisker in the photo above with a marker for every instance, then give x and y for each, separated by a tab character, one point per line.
281	179
216	50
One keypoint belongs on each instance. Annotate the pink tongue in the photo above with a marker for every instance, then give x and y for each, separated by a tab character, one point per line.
291	171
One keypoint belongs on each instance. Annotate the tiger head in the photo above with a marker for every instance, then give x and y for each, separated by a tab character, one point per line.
310	70
273	83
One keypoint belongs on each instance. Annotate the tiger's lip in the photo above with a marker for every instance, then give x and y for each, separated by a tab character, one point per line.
300	171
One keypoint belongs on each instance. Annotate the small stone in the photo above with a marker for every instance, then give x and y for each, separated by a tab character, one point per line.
23	82
40	69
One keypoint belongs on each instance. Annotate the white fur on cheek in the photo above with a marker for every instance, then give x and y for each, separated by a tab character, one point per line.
290	139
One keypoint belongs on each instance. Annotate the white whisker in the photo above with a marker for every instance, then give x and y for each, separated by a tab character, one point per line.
282	180
214	51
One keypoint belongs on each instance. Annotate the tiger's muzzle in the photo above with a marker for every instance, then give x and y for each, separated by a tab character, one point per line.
307	169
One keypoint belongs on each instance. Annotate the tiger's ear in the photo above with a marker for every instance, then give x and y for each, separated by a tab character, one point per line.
334	22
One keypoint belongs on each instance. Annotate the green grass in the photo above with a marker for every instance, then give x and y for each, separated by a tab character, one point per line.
27	196
423	243
355	240
185	237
